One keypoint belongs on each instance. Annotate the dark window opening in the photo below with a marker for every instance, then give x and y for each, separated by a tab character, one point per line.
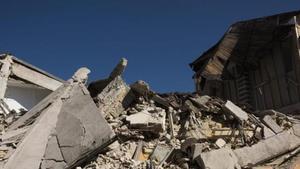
287	48
202	83
213	91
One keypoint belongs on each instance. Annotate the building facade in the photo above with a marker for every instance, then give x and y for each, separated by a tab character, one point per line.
256	63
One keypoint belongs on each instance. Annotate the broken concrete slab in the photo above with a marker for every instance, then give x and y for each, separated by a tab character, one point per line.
13	135
146	121
31	157
220	143
223	158
173	100
296	129
191	137
96	87
112	95
269	122
119	69
201	101
161	101
236	111
138	151
195	150
267	132
171	122
140	87
267	149
22	86
160	153
31	115
70	123
283	158
190	106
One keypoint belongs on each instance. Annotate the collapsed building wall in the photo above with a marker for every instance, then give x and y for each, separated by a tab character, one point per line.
65	129
256	63
24	83
110	124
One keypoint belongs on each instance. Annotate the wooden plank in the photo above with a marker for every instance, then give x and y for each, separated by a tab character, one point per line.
266	80
270	70
296	47
288	59
255	103
259	90
293	86
233	91
220	92
35	77
279	70
229	90
225	89
290	109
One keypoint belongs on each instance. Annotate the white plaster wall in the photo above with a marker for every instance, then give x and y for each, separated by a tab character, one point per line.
27	97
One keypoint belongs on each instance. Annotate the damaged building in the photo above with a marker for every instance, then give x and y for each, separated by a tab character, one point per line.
256	63
48	123
23	85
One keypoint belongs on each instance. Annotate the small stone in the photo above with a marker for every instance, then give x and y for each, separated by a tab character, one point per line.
220	143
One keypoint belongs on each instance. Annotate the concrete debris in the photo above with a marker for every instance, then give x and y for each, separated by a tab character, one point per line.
13	136
171	121
138	151
22	86
112	95
196	149
111	124
234	110
267	149
81	75
218	159
119	69
141	87
268	121
69	129
145	120
201	101
114	98
220	143
160	154
96	87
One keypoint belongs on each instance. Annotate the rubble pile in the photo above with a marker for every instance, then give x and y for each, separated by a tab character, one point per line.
191	131
109	124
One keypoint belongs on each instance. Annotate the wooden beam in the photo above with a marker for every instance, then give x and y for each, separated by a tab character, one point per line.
297	52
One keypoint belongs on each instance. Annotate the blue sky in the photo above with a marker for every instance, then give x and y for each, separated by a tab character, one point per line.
158	37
